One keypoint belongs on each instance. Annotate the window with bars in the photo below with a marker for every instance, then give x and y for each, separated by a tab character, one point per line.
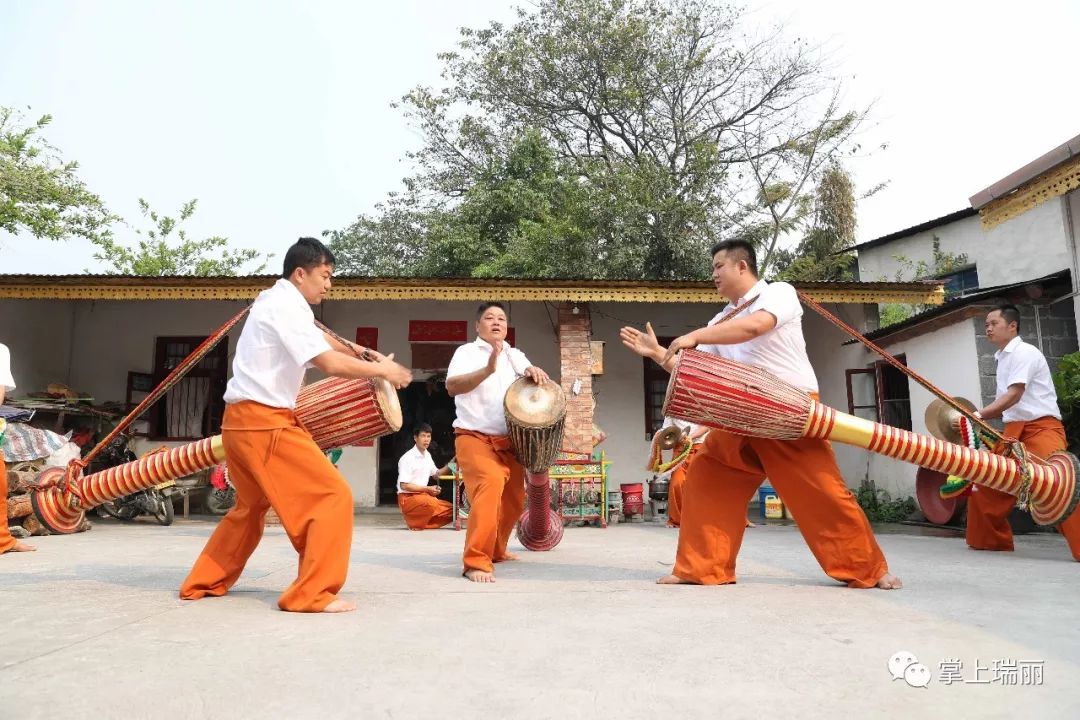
961	282
880	393
656	382
193	408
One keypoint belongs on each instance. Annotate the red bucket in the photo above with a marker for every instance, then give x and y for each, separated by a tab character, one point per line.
633	498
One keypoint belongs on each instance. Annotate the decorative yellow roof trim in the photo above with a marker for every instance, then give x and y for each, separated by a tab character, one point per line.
1051	184
433	290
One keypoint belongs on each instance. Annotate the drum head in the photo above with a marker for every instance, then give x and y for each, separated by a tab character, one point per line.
530	405
388	403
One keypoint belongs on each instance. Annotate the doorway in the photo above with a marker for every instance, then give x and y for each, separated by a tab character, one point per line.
423	401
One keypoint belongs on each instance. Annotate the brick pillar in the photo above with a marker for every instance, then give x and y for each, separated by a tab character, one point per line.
575	361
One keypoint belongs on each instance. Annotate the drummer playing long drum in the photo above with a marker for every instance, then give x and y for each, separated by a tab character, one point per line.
478	377
273	460
767	332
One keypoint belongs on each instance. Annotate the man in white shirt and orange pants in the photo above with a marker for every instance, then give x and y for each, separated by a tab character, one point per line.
478	377
417	498
273	461
767	333
1027	403
7	542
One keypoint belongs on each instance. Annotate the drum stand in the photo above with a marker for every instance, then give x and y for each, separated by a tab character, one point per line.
540	528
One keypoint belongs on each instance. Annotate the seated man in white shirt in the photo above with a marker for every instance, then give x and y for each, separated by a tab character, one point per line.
7	384
478	377
273	461
417	498
1027	403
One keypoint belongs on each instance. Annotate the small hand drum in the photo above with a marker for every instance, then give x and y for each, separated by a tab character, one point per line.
535	417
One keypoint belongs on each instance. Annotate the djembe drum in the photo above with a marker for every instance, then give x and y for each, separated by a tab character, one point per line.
335	411
535	417
746	400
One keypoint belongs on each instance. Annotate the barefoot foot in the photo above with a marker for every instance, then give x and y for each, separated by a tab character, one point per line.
339	606
889	581
23	547
507	556
479	576
673	580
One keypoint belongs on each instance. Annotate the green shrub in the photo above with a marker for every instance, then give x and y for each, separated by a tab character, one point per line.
1067	384
880	507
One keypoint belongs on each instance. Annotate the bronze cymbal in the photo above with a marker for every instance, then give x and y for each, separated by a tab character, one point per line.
939	419
669	437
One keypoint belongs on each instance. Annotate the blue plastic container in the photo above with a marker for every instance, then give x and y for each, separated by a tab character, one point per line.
763	492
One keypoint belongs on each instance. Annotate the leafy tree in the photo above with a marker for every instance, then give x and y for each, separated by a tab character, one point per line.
40	194
941	263
612	138
824	252
159	254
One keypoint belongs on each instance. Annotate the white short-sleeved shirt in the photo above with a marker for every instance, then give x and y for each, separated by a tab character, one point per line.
481	409
6	380
782	350
1021	362
415	467
277	343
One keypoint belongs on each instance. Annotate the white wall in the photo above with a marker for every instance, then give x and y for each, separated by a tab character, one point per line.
1025	248
947	357
39	335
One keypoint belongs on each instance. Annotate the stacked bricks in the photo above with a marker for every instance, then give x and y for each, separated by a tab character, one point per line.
575	361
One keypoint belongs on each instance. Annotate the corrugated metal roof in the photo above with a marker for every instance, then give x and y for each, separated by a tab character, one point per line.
915	229
948	306
1032	170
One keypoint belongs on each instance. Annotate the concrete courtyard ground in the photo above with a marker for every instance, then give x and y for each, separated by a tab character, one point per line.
90	626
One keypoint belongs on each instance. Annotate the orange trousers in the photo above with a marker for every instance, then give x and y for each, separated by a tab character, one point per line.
6	540
273	462
724	477
495	484
988	510
675	490
423	511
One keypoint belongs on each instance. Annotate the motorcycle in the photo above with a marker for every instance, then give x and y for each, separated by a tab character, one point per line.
155	502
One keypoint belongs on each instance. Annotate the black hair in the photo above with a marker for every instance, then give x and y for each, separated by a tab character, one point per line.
307	253
1010	314
742	249
484	307
421	428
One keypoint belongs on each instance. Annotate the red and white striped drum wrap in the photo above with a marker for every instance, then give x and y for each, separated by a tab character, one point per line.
706	389
335	411
339	412
746	400
1051	491
150	470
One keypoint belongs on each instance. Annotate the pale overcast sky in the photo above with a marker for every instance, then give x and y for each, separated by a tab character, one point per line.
276	116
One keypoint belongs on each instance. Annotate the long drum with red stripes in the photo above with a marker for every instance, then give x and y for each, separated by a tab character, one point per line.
747	400
339	412
336	412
